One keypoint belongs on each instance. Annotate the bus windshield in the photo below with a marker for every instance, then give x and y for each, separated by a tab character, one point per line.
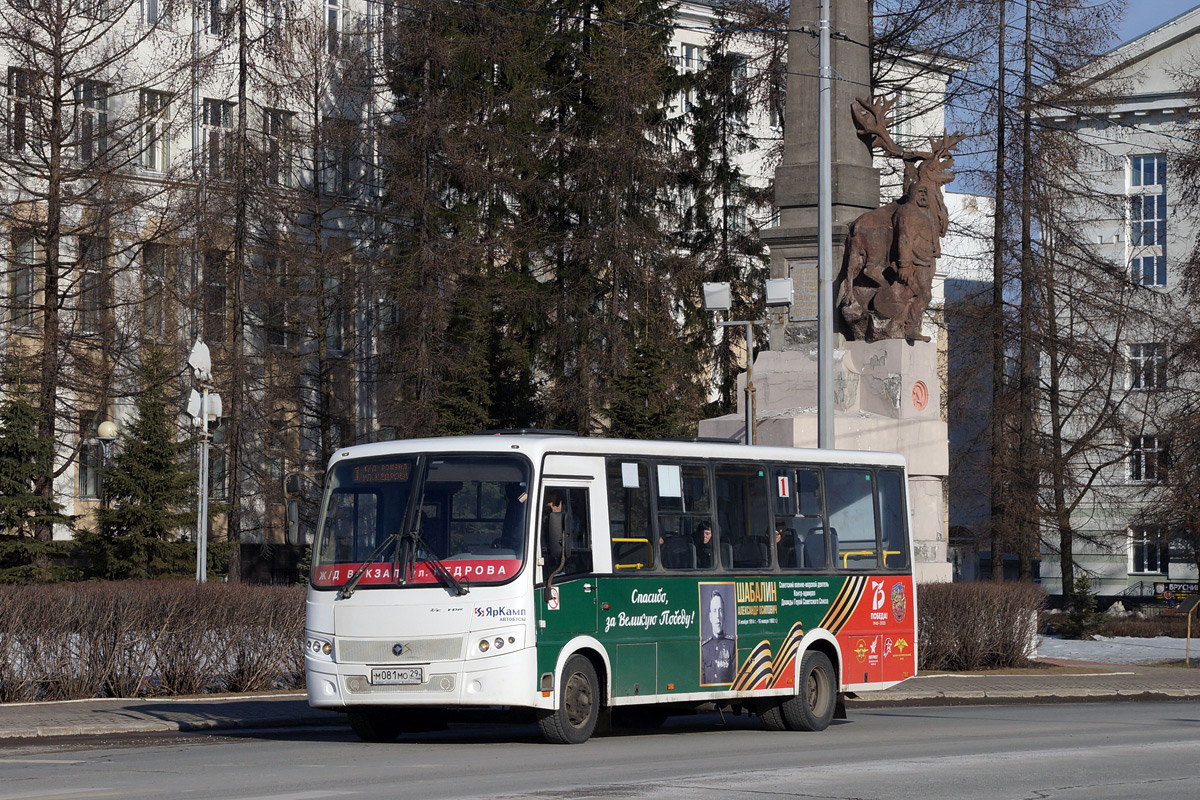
469	512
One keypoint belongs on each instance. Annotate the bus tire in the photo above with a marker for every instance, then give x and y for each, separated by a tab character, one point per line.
770	711
813	706
574	719
376	724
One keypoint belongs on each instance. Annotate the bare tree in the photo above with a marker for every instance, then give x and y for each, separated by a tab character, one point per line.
89	182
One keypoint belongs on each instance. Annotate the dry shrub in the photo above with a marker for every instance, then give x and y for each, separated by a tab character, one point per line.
135	638
967	626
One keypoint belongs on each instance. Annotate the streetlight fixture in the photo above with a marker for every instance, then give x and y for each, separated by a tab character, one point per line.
204	406
106	432
719	297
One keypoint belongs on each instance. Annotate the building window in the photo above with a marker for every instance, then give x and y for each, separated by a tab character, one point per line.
218	138
150	12
91	292
1147	366
335	20
776	99
340	161
93	120
89	460
277	131
1149	270
22	287
216	17
275	314
155	110
1148	458
1148	171
214	297
1148	219
155	258
1149	550
691	60
335	317
24	119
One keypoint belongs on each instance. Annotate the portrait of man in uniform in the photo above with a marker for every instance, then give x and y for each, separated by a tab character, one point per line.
718	634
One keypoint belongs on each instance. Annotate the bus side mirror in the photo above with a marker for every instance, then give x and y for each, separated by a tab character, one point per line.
293	483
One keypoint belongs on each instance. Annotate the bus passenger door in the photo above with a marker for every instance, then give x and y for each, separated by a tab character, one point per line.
569	515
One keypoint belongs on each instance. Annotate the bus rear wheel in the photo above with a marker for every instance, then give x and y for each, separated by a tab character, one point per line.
574	719
813	706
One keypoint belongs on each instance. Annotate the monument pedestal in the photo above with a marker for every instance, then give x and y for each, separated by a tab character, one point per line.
888	398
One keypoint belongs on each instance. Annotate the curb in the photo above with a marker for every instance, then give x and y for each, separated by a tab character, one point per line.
984	697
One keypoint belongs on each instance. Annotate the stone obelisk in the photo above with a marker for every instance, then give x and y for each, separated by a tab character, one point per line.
887	394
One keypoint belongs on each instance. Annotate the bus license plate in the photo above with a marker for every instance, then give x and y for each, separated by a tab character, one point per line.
392	676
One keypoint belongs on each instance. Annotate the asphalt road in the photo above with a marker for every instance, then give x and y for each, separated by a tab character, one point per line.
1094	751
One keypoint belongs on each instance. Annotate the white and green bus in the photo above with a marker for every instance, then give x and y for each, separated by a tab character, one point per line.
577	577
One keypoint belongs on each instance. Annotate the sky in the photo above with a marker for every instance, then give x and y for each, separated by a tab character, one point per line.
1145	15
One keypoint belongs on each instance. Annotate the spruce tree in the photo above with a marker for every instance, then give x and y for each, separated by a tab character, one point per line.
24	456
146	488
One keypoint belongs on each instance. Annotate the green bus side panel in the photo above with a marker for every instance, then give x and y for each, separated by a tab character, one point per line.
635	670
669	634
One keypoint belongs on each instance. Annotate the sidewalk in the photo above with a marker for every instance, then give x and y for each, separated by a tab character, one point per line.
158	714
1059	680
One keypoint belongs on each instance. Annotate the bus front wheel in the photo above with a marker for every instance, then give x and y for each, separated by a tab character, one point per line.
574	718
813	706
376	724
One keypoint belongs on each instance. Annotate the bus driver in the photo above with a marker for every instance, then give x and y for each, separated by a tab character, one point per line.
718	651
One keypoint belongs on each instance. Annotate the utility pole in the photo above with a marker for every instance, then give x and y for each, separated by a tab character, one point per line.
824	239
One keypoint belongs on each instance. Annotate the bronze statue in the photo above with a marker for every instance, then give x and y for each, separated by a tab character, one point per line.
891	251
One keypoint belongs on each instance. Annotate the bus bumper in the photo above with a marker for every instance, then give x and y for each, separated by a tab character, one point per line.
498	680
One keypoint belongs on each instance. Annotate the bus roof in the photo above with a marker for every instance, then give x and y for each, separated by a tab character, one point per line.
535	445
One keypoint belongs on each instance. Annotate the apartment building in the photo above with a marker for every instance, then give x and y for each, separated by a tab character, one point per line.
1146	232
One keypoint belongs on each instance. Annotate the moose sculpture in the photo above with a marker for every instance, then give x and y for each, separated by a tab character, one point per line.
892	251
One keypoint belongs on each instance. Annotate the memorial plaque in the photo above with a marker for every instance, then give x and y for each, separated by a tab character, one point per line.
805	294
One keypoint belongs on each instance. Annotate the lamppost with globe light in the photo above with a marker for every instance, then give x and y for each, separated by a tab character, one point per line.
106	432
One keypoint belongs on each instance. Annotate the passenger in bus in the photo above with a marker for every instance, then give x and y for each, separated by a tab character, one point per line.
785	544
704	546
552	528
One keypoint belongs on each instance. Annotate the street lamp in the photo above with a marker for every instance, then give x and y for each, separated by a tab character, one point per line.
204	406
106	432
719	297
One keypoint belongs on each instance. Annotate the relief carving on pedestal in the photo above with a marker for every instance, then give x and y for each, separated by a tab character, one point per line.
892	251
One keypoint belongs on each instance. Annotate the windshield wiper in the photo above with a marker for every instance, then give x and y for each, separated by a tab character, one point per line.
352	582
414	545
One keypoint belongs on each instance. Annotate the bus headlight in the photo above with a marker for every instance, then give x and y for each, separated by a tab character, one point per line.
320	648
498	642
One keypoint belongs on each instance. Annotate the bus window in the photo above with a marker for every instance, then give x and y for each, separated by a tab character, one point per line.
684	519
799	528
565	521
892	519
743	527
629	515
851	503
351	530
